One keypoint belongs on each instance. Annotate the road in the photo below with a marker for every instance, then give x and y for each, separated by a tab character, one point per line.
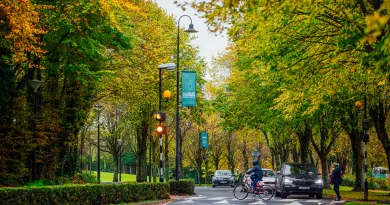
224	195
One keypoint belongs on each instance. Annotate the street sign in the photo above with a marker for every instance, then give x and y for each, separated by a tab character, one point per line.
204	139
188	88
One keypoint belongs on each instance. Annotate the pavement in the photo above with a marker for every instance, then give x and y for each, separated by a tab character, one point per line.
224	195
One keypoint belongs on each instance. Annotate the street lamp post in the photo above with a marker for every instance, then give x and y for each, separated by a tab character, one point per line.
98	110
120	163
189	30
35	85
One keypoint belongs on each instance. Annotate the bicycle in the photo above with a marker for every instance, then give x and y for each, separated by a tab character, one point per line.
241	190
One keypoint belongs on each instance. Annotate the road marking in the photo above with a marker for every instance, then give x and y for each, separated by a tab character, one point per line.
188	201
222	202
338	202
195	197
258	202
294	203
287	200
313	200
217	198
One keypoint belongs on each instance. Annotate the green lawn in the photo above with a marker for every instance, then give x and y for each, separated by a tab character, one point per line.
108	176
347	194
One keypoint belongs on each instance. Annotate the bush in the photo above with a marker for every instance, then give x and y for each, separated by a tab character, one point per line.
87	177
348	180
84	194
186	186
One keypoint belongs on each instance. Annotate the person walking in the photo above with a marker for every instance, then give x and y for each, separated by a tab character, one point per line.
337	179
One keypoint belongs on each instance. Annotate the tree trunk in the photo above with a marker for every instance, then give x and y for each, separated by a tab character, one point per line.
356	143
245	156
295	153
378	115
230	153
324	168
142	137
116	169
304	142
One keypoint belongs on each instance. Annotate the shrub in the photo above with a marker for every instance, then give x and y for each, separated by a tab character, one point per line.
84	194
186	186
86	177
348	180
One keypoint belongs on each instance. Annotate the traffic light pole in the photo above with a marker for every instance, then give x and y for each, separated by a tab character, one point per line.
160	135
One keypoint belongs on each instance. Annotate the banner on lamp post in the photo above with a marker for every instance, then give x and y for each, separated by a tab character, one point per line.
188	88
204	139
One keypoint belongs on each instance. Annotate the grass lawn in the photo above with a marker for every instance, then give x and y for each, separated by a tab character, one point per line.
347	194
108	176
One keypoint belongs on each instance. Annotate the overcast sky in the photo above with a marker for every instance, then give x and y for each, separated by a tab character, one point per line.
209	44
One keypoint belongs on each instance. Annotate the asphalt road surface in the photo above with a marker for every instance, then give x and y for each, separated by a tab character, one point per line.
224	195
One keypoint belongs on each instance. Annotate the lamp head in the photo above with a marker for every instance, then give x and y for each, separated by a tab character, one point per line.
191	29
35	84
168	66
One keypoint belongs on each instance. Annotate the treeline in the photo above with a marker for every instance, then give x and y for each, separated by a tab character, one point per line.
94	57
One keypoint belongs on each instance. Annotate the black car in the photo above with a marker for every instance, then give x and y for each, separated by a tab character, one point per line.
223	178
298	178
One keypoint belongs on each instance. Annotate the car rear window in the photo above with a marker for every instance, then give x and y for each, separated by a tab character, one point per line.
223	173
299	169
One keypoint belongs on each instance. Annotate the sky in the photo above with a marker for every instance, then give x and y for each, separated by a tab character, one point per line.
209	44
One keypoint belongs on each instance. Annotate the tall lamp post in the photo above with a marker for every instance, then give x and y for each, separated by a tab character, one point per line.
167	95
35	85
98	111
189	30
120	162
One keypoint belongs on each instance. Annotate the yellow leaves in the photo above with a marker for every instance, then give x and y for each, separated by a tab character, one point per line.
375	23
383	82
22	19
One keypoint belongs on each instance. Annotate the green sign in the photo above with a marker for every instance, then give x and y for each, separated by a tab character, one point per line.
204	139
188	88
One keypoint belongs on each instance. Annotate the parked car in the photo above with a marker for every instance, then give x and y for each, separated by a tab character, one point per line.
223	178
298	178
269	177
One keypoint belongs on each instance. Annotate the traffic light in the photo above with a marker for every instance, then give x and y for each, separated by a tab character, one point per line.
161	129
160	116
366	138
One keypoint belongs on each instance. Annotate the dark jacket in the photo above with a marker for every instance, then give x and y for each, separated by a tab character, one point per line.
336	176
258	172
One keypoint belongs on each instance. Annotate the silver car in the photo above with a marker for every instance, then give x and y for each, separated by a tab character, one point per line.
269	177
223	178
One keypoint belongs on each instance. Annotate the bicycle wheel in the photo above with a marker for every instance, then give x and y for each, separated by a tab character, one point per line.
240	191
266	192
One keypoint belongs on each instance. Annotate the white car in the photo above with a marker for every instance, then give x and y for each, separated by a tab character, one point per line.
269	177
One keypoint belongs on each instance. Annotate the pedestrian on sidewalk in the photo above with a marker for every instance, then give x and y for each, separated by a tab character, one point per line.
336	179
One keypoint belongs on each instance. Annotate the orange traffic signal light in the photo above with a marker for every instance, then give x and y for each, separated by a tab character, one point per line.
161	129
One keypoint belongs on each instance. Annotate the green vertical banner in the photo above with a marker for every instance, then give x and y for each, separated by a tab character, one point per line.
204	139
188	88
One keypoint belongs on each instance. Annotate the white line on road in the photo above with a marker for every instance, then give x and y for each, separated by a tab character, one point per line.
294	203
313	200
217	198
287	200
188	202
258	202
222	202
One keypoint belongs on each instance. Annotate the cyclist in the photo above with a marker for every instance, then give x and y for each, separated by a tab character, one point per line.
257	174
238	176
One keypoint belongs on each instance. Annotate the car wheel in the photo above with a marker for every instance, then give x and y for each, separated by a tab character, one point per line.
282	194
213	186
231	186
311	195
319	196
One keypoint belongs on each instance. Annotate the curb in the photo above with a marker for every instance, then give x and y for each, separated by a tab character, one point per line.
162	201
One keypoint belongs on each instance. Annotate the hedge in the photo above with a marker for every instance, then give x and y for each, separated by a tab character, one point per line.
185	186
84	194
